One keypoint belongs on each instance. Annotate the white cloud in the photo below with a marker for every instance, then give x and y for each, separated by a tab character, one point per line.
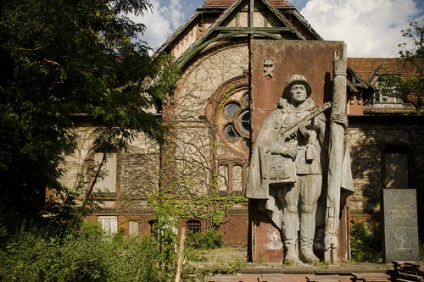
161	22
369	28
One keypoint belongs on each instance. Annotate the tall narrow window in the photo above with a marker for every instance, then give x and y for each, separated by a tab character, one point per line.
223	178
398	166
107	181
237	178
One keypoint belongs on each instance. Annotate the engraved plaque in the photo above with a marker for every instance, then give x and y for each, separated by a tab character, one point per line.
400	225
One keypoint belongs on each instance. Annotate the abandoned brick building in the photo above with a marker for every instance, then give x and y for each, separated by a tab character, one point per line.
225	50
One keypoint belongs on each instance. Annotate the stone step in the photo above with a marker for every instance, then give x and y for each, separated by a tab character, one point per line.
224	278
324	278
280	278
371	277
287	277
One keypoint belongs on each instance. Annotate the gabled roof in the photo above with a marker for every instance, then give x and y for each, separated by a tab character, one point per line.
229	8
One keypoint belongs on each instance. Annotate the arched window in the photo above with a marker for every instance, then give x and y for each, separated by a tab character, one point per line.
234	121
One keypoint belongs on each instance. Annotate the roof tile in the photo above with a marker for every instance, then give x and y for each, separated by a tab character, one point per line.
367	67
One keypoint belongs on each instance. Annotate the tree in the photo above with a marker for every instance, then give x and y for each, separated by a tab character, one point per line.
61	59
410	88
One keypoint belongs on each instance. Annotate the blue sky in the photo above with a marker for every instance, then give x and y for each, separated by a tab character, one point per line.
370	28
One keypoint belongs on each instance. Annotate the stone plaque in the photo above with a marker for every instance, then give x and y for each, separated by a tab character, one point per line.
400	225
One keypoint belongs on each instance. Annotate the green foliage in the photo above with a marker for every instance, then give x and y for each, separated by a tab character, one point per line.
166	234
365	244
85	255
415	45
185	205
209	239
409	88
62	61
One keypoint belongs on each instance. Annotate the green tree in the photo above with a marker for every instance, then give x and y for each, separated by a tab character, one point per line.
410	89
63	59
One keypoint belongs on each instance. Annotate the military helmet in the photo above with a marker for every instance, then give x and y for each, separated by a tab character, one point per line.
296	79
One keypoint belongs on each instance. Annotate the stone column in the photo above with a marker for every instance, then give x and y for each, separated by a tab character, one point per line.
335	153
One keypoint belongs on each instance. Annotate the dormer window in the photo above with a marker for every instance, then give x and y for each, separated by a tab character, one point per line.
386	92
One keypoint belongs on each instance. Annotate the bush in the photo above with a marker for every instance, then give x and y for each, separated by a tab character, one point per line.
79	256
365	245
210	239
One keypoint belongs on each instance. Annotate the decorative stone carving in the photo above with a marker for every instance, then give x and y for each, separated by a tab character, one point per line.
286	167
268	67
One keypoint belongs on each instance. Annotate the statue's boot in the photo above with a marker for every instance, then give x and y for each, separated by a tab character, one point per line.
307	233
291	255
307	253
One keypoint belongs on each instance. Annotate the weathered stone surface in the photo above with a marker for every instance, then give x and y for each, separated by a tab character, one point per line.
400	224
138	172
75	164
266	96
201	81
367	142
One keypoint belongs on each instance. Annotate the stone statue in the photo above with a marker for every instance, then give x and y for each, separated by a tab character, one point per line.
286	167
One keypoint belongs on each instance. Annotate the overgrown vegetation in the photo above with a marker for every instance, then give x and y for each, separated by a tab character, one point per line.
88	255
365	244
411	54
85	255
62	60
209	239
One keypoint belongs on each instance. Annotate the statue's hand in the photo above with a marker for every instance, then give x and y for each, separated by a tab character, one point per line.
340	119
284	151
289	153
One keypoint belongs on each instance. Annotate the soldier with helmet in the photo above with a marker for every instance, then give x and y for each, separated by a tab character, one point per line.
285	171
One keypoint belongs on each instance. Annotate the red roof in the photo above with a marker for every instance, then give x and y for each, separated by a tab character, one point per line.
368	67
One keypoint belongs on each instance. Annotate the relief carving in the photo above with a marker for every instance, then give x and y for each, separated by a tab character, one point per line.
287	164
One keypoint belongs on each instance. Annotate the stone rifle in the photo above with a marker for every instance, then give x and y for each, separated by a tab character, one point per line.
289	131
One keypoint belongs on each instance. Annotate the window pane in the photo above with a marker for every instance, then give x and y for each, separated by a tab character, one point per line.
245	121
109	224
193	225
230	132
231	109
245	99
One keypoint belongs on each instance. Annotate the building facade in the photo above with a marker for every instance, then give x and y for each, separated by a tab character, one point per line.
232	54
